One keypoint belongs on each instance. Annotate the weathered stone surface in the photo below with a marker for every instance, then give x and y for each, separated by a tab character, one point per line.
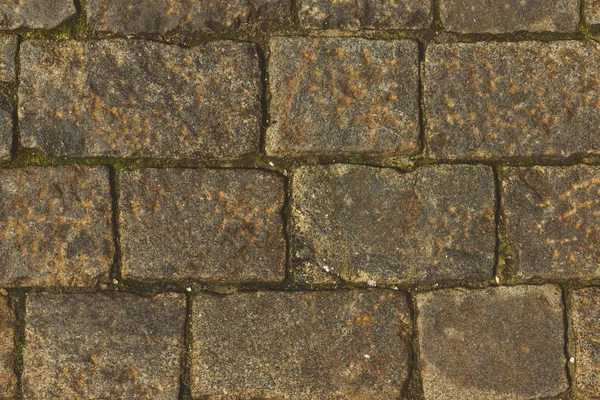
55	226
301	345
37	14
503	16
103	345
496	343
160	16
551	217
366	224
343	96
586	324
210	224
139	98
520	100
365	14
8	50
8	350
592	11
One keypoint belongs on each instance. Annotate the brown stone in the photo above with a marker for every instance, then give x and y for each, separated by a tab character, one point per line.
301	345
8	50
592	11
36	14
496	343
209	224
55	225
586	324
343	96
8	350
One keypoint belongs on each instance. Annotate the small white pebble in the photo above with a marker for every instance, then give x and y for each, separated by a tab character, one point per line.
395	288
271	163
371	283
497	279
367	356
572	360
189	289
116	282
326	268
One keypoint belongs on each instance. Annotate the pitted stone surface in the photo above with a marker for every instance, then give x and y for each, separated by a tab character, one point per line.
161	16
8	50
520	100
36	14
301	345
365	14
586	324
592	11
366	224
505	16
138	98
8	350
103	346
343	96
55	226
496	343
551	216
210	224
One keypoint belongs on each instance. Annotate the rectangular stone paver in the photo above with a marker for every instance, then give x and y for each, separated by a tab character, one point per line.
160	16
36	14
55	226
212	224
366	224
139	98
103	346
8	350
592	11
551	216
301	345
504	16
512	100
492	344
343	96
8	51
586	324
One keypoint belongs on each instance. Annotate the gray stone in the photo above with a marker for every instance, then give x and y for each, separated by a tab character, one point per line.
8	50
8	350
365	14
498	343
504	16
103	346
36	14
512	100
140	99
209	224
586	324
161	16
551	217
365	224
55	226
301	345
343	96
592	11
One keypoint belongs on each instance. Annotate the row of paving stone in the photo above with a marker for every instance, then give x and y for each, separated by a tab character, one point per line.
497	343
329	96
360	224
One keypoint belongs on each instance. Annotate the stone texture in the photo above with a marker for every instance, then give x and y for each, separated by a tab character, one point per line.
504	16
343	96
592	11
366	224
586	324
365	14
55	226
161	16
103	345
36	14
139	98
8	50
8	350
517	100
551	217
301	345
497	343
210	224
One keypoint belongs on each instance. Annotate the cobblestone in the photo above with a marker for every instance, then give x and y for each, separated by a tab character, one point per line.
8	350
586	324
37	14
8	50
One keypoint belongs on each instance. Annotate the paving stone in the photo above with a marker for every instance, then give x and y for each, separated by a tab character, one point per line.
551	217
161	16
55	226
586	324
343	96
139	98
366	224
496	343
512	100
210	224
8	350
369	14
301	345
592	11
8	50
504	16
103	345
37	14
